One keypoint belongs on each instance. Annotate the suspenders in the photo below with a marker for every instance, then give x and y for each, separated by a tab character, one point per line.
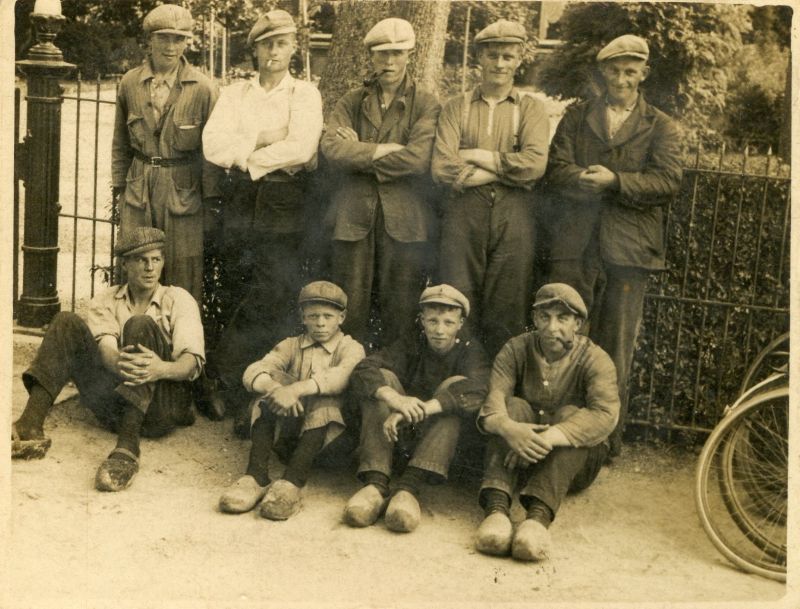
465	107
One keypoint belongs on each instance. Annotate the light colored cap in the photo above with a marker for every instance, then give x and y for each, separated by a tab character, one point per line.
324	292
273	23
560	293
138	240
168	19
625	46
502	31
446	295
390	34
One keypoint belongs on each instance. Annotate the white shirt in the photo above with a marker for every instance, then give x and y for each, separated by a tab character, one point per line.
289	116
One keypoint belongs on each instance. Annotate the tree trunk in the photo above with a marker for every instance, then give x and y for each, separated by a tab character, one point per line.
348	61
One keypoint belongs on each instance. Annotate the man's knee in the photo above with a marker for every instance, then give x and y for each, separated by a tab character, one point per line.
390	378
448	382
519	410
139	329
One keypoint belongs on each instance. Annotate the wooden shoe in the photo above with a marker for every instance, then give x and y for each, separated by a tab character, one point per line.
403	513
116	472
365	507
281	501
31	448
494	535
531	541
242	496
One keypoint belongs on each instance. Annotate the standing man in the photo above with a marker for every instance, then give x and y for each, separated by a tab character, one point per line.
265	133
158	174
131	361
491	147
552	402
380	138
614	163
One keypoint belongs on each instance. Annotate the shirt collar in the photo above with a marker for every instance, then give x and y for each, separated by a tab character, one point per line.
179	73
285	83
513	95
123	293
329	346
628	108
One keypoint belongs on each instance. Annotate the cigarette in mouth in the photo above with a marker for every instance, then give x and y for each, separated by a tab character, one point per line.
269	62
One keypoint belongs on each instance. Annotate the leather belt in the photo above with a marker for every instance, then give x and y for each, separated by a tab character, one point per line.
160	161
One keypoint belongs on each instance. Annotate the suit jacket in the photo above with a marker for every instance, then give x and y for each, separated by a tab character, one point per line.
644	153
399	181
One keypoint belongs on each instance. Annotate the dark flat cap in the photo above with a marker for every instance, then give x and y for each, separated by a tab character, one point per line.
446	295
168	19
138	240
390	34
273	23
625	46
324	292
560	293
502	31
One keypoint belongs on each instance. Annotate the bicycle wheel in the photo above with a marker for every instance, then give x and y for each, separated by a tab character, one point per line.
741	485
772	359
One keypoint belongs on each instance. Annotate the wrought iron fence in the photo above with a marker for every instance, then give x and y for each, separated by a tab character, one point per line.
724	296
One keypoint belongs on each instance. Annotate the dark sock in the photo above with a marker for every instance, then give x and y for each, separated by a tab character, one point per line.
30	423
537	510
261	437
377	479
129	429
303	456
412	480
495	500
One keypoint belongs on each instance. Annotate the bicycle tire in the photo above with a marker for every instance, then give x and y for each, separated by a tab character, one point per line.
771	350
736	533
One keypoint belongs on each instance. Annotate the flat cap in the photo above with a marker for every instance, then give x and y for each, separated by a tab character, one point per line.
446	295
502	31
560	293
138	240
168	19
390	34
273	23
324	292
625	46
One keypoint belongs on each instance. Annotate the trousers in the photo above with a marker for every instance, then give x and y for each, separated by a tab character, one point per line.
565	469
69	352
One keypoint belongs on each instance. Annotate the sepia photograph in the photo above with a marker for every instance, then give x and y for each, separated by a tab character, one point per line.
397	303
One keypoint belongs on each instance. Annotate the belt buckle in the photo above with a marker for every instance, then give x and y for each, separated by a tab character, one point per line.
155	161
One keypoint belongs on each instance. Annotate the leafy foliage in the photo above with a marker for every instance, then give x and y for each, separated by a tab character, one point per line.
690	47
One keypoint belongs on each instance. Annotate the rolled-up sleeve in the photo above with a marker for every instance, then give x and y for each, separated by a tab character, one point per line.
302	139
528	165
446	164
334	379
187	327
590	425
101	318
466	397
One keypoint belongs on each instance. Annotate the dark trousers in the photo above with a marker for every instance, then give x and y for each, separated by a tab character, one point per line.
261	256
614	296
392	270
487	252
69	352
565	469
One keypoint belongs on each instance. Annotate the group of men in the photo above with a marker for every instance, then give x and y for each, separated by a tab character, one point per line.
552	398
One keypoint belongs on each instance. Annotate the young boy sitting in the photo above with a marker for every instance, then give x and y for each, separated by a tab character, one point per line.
299	385
413	396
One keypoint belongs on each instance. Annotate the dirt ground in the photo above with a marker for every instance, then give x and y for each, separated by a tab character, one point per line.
632	537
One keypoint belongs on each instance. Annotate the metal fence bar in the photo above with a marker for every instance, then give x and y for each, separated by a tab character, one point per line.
94	185
75	194
15	255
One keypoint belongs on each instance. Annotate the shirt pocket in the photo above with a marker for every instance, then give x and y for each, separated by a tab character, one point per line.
187	133
136	130
185	197
135	187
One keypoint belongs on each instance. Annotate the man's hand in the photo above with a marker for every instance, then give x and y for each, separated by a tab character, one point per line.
346	133
139	365
381	150
390	426
525	441
597	178
412	409
285	401
479	157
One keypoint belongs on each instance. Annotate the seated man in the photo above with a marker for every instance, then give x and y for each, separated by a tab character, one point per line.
552	403
426	384
131	362
299	385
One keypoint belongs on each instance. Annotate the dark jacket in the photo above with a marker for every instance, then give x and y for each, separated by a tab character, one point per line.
644	153
399	181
